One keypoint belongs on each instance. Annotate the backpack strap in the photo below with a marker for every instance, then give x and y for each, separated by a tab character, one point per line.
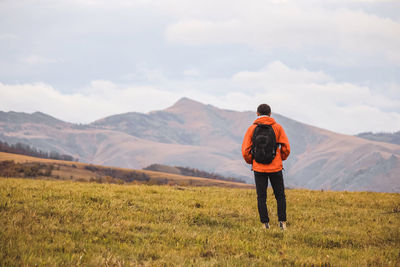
253	138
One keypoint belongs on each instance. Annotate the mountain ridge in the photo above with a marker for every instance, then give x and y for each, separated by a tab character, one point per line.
205	137
392	138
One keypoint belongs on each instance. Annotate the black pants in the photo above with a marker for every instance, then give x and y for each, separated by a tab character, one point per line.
276	179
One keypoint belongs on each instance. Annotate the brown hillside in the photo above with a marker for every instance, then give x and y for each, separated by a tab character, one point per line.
77	171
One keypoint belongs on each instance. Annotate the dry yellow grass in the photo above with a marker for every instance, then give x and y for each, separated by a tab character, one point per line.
69	170
64	223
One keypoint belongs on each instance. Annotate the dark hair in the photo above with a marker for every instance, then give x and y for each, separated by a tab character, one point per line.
264	109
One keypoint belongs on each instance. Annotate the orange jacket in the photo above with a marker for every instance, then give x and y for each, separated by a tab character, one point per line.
282	152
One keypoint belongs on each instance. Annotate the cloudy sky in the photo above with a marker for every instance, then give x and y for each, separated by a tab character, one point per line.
333	64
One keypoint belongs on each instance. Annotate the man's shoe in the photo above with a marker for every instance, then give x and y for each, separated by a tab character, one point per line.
266	225
282	225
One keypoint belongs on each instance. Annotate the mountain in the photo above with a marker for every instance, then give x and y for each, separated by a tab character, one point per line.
36	117
192	134
393	138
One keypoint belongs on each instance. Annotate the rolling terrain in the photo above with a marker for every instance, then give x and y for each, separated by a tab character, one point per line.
192	134
64	223
82	172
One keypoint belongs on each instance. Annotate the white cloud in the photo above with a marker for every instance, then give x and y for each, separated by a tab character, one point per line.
216	46
191	72
295	26
340	107
37	60
315	98
311	97
101	99
278	73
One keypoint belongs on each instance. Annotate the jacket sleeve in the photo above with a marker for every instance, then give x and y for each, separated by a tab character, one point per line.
284	141
246	145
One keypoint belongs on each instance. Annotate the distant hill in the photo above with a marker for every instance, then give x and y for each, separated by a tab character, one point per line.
24	149
393	138
15	165
207	138
189	172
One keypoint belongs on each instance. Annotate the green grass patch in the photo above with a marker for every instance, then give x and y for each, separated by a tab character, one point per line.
61	223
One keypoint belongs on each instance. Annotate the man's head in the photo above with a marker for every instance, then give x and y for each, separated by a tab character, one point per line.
264	109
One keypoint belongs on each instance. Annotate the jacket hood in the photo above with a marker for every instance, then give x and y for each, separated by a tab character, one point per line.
265	120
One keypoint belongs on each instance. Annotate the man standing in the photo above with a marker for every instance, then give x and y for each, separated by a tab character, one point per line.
265	145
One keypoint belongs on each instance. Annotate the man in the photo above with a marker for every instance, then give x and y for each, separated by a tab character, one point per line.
271	170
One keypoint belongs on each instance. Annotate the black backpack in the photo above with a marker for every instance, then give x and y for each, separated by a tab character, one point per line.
264	144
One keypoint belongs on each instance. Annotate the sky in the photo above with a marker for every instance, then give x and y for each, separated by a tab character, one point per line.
332	64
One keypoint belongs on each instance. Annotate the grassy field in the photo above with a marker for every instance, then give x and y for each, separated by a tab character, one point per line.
63	223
